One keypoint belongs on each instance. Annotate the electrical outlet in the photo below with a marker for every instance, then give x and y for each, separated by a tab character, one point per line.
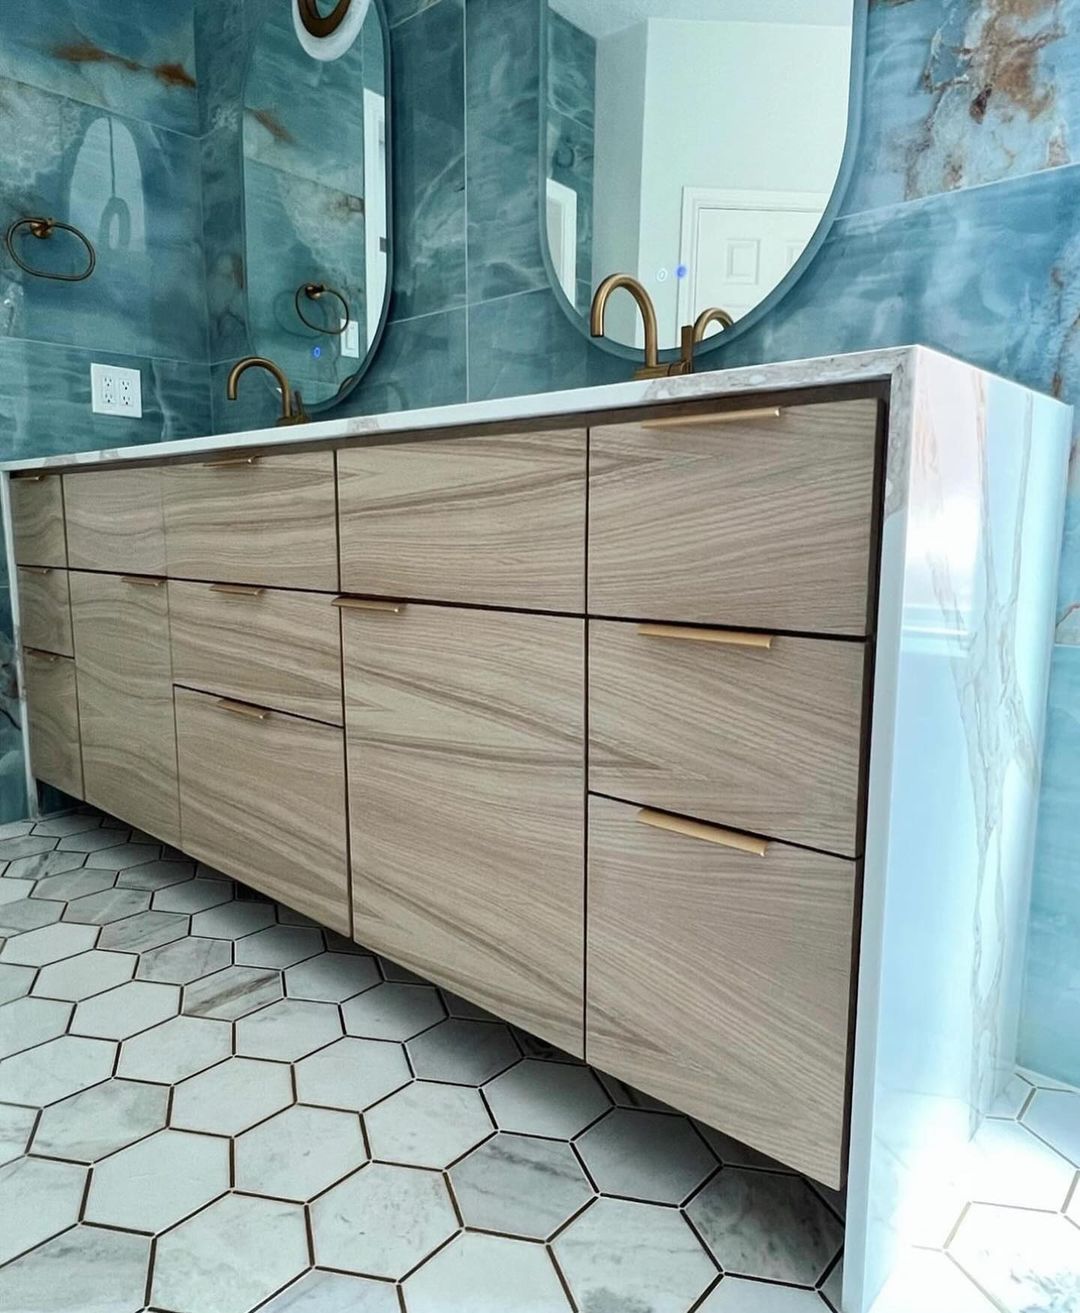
115	391
350	339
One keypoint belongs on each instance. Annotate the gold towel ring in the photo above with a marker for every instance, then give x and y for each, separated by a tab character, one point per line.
313	291
318	24
43	229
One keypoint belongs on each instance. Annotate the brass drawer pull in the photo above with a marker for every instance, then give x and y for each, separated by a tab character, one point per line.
242	709
29	478
723	417
140	581
36	569
50	658
745	843
229	462
726	637
367	604
237	590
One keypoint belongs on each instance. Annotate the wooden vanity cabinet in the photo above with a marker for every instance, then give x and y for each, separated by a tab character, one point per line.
52	710
37	520
115	520
45	609
121	631
465	743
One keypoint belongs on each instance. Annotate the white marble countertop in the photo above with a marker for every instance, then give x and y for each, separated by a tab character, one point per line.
854	368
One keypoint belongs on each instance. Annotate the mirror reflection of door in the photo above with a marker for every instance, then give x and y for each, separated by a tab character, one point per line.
702	141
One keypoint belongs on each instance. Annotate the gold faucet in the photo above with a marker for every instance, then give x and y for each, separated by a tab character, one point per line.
652	367
694	333
292	407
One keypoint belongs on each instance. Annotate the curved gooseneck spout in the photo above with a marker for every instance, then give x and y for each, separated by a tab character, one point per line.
652	367
292	409
694	333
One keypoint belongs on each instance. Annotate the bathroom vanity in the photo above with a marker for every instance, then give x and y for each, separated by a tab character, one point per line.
693	725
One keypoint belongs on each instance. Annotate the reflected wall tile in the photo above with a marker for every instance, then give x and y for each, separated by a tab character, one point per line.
502	108
963	94
421	362
137	60
523	344
572	69
398	11
1050	1029
223	236
571	150
428	117
220	58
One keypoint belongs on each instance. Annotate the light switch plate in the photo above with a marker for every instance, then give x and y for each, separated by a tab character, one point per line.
115	391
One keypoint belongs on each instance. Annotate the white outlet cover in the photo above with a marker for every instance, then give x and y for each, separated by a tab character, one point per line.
115	391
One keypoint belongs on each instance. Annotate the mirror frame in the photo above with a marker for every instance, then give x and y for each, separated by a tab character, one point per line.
704	352
350	384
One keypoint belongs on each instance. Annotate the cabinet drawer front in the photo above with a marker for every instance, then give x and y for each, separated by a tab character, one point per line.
465	741
121	630
719	981
37	519
275	649
262	798
259	520
764	522
52	712
44	609
765	739
497	520
115	521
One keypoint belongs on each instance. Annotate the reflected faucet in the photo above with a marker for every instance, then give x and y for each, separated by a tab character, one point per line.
652	367
292	407
693	334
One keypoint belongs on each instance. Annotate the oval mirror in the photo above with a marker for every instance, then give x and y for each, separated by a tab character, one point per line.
699	145
316	197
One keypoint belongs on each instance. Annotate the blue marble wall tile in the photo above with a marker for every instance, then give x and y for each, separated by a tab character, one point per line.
1050	1027
137	60
134	189
221	58
399	11
223	238
421	362
523	344
502	96
571	70
428	118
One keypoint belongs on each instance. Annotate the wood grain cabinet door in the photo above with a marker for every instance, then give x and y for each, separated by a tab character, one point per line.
262	798
45	609
720	980
37	519
115	520
494	520
465	744
53	720
763	521
121	630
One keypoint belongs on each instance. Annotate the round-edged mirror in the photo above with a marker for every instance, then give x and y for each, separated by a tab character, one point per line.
701	146
316	186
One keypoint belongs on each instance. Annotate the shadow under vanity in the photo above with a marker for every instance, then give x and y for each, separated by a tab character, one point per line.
597	712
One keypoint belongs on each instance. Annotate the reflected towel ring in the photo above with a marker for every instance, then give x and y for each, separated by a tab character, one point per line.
313	291
44	229
322	25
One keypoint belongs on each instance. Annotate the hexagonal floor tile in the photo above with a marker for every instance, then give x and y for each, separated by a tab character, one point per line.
1054	1115
24	914
631	1254
105	906
231	1256
84	975
427	1125
520	1186
463	1052
91	841
125	1010
299	1152
158	874
231	1097
145	930
331	977
490	1274
1022	1260
650	1156
184	961
15	1127
191	896
288	1030
44	865
924	1280
155	1183
351	1074
546	1098
278	946
123	856
65	1275
759	1224
333	1292
15	982
733	1153
52	943
75	884
176	1049
58	827
737	1295
390	1011
31	1021
382	1221
37	1200
233	920
54	1070
232	993
26	845
100	1120
15	891
1007	1164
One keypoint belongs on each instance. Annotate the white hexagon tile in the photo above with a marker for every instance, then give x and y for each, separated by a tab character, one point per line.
210	1105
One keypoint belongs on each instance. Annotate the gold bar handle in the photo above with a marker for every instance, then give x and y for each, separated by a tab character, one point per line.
29	478
242	709
50	658
744	843
726	637
229	462
36	569
720	417
237	590
367	604
140	581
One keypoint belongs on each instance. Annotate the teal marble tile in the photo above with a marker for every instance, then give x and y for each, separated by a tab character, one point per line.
1050	1025
420	362
221	58
571	69
523	344
221	157
399	11
137	60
